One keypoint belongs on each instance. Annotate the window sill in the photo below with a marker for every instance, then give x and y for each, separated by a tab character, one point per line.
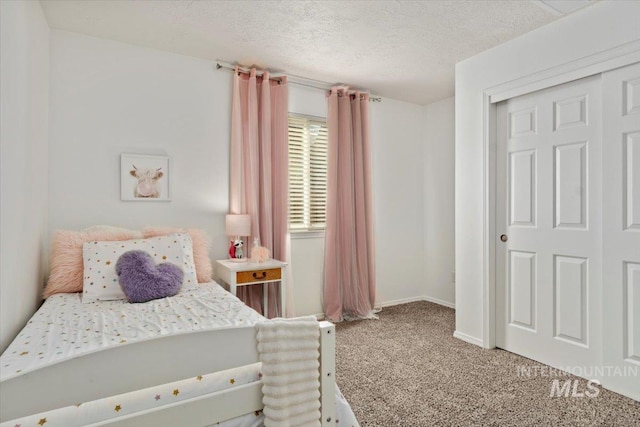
315	234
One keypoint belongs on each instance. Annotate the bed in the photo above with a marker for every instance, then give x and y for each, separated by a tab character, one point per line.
190	359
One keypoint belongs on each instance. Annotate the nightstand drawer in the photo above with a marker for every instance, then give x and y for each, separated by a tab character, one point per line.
258	275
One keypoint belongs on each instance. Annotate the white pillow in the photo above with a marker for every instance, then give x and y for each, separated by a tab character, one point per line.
100	281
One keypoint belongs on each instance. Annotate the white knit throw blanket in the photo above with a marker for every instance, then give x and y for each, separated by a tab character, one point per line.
289	354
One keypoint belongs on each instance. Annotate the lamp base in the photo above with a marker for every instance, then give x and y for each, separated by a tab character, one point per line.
238	259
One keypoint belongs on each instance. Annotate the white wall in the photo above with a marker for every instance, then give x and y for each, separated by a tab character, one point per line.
397	138
439	201
24	84
307	259
109	97
595	29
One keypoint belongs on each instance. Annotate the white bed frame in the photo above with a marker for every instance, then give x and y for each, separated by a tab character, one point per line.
155	362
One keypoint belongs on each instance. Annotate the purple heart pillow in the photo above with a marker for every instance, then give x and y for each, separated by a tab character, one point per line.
142	280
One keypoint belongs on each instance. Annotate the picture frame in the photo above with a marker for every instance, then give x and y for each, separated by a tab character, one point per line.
144	178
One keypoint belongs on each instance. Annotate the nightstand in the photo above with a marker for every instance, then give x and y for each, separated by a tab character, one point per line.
236	274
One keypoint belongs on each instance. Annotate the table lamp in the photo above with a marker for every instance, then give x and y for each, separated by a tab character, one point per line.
238	226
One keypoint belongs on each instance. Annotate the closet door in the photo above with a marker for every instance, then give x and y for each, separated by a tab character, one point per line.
548	211
621	229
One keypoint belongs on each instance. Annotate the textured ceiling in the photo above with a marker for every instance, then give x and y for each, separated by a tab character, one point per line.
398	49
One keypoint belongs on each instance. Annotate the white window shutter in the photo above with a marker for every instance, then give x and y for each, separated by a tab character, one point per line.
308	149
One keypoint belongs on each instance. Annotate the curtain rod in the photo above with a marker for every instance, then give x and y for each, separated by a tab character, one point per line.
293	79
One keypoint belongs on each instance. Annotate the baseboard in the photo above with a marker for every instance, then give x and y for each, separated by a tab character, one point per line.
403	301
440	302
415	299
398	302
468	338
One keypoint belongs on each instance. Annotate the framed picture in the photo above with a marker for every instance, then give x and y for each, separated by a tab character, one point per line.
144	178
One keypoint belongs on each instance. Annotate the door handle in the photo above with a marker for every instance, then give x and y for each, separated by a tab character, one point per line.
504	238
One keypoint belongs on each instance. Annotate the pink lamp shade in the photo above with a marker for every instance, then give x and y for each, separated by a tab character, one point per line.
238	225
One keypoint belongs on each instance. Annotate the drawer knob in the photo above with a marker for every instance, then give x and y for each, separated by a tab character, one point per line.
263	275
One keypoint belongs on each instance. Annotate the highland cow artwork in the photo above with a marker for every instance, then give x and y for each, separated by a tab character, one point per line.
144	177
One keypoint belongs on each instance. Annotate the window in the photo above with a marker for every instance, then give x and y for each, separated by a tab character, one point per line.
307	173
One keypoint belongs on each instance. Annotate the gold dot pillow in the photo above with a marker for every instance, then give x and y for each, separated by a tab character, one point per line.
100	280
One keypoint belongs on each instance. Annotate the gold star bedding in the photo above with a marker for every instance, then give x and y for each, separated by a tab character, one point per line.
64	328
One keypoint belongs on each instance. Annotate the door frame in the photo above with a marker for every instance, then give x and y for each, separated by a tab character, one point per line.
607	60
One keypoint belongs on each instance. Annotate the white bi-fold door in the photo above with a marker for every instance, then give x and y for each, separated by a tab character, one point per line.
549	272
568	227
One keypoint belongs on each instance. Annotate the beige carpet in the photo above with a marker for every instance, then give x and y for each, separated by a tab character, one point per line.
406	369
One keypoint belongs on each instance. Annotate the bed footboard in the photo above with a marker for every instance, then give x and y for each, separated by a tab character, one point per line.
143	364
327	373
125	368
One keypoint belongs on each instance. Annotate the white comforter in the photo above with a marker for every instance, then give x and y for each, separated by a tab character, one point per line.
64	327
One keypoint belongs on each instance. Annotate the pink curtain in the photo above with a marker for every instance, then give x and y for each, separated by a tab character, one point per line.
259	173
349	277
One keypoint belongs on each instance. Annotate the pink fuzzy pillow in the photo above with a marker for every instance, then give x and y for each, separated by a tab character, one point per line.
201	245
66	256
